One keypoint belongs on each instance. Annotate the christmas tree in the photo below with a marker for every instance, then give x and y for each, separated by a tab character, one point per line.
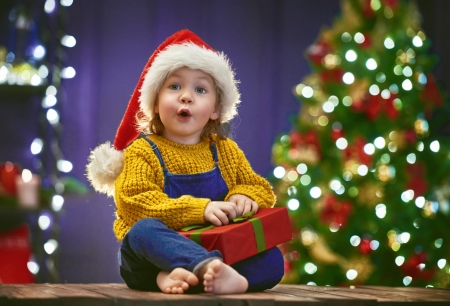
365	169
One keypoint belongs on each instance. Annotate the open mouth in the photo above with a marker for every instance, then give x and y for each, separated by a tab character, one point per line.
184	113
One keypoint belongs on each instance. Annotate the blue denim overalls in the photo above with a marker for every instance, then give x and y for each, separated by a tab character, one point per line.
150	246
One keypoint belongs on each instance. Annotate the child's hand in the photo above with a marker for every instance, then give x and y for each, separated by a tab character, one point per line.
244	204
219	213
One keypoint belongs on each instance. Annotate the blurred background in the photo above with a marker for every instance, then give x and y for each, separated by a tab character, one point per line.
94	53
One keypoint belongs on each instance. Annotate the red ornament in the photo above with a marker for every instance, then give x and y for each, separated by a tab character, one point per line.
374	105
308	139
410	136
412	267
333	75
416	182
336	134
367	9
367	43
336	211
317	52
431	93
356	151
364	246
393	4
8	173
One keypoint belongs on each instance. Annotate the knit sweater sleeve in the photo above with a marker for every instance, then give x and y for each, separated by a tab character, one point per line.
240	177
139	193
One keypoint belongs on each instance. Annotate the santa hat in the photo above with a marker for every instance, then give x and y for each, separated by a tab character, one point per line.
182	49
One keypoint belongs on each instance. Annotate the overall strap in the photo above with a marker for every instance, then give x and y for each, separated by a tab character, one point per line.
213	148
155	149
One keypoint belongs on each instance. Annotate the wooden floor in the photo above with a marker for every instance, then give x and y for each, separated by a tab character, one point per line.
119	294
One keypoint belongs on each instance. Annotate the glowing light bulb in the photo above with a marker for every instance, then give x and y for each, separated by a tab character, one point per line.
371	64
328	107
417	41
52	116
374	244
50	246
68	41
351	56
49	6
33	267
279	172
380	210
293	204
307	92
399	260
389	43
315	192
407	280
341	143
348	78
27	176
411	158
66	2
57	202
302	168
36	146
407	85
44	222
374	90
64	165
351	274
380	142
39	52
355	240
310	268
359	38
434	146
68	73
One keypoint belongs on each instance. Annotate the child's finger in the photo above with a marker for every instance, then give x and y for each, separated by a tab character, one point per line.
254	206
221	216
230	209
214	220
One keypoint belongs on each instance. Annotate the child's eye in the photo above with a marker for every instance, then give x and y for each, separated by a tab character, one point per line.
200	90
174	86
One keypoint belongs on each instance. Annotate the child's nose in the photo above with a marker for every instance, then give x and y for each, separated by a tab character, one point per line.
186	96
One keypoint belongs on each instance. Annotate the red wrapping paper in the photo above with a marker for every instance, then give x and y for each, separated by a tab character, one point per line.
237	241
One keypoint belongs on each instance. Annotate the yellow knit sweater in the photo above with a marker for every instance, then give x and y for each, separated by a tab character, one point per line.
139	188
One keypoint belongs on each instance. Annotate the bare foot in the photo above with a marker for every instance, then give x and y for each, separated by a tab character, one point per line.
177	281
220	278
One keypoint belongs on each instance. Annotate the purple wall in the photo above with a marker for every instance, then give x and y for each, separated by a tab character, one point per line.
265	41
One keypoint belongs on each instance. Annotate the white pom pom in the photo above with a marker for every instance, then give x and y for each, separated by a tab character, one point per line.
105	165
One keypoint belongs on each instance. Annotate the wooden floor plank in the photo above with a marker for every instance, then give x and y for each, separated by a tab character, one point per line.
24	295
427	292
280	295
327	298
383	297
122	295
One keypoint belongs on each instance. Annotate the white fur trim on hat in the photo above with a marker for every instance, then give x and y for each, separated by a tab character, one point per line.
105	165
192	56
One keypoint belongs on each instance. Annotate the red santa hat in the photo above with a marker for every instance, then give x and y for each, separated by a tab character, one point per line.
182	49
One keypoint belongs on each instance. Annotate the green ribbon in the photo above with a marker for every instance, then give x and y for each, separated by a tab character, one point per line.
256	223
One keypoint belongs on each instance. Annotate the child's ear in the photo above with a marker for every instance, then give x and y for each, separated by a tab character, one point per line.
216	113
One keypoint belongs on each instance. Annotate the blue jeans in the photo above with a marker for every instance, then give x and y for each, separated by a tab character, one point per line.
150	247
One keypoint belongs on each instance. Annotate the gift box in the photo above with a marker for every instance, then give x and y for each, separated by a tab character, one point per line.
246	236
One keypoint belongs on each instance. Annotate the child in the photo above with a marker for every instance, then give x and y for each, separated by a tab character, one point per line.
182	170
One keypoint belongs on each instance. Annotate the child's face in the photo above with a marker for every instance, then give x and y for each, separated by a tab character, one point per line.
186	102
